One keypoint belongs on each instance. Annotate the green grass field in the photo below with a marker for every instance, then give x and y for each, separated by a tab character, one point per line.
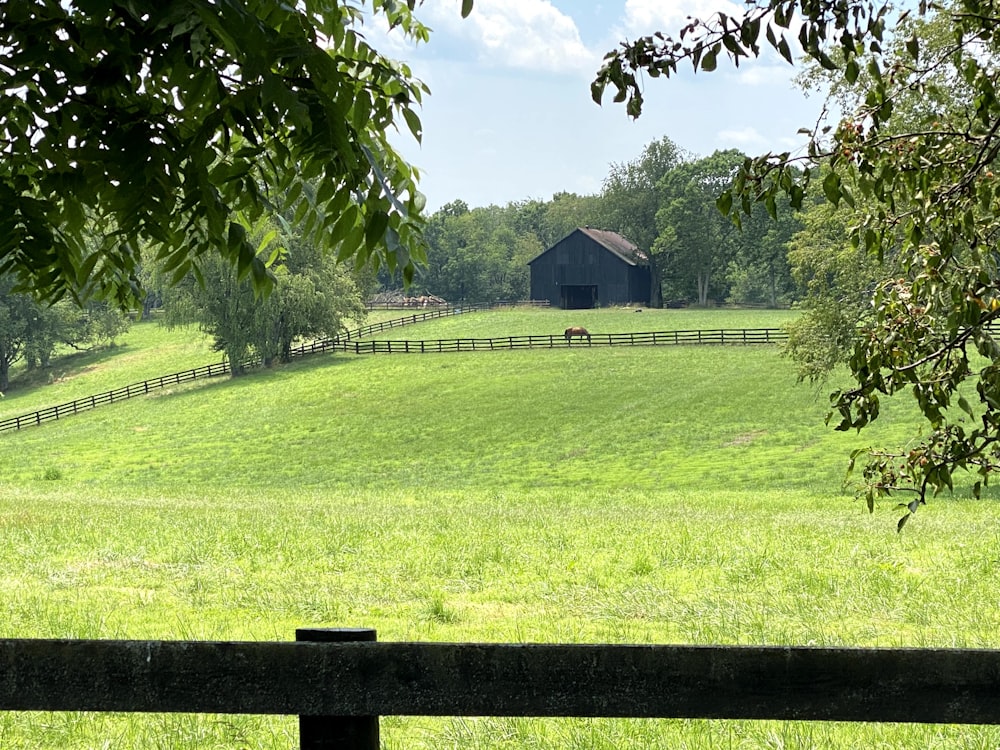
643	495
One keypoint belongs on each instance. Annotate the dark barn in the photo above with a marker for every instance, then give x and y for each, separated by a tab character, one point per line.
591	268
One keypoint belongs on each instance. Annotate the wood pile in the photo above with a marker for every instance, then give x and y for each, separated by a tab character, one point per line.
396	298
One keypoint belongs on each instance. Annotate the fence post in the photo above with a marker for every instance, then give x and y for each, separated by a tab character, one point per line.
337	732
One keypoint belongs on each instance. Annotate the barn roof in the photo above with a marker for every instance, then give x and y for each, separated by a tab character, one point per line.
616	244
610	241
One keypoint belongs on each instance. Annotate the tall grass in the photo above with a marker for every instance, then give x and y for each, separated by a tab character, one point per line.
669	495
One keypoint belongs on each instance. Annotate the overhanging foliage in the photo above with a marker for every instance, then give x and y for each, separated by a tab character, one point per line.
143	122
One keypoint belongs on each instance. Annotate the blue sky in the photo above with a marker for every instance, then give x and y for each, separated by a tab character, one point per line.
510	116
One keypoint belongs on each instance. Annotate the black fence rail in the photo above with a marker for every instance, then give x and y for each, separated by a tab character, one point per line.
52	413
388	325
735	337
339	682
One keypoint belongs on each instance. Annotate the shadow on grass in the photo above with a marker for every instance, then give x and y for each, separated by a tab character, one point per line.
65	366
176	391
258	374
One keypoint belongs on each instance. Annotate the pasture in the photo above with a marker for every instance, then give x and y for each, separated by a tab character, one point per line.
641	495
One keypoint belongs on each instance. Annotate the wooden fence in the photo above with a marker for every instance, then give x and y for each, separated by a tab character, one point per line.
742	336
387	325
340	681
51	413
356	345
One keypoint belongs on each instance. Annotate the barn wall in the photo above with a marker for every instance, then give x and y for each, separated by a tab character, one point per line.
577	260
639	284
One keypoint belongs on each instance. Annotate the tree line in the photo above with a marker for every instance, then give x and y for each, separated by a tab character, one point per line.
664	201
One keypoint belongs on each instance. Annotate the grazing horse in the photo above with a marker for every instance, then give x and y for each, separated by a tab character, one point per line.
576	331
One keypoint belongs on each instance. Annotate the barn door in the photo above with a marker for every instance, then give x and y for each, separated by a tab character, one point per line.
578	296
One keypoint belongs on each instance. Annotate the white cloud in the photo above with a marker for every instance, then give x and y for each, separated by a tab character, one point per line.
529	35
764	72
752	141
747	138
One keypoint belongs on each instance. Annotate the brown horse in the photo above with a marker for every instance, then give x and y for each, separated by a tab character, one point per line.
576	331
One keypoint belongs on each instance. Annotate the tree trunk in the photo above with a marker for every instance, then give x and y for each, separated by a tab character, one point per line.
703	279
655	283
772	276
236	363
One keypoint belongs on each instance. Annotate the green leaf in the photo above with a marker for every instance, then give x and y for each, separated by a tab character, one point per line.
375	231
344	224
294	193
965	406
831	188
795	196
413	122
466	8
597	90
725	202
784	50
851	71
771	206
325	192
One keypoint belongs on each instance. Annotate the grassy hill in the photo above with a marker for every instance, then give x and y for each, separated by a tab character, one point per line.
625	418
675	494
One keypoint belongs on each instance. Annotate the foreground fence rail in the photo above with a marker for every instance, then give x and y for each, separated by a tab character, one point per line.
340	681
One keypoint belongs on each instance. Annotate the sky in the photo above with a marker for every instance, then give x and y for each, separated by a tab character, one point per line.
510	117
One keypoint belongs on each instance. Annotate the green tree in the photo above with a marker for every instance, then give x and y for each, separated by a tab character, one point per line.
480	254
17	312
312	295
312	298
630	202
31	330
759	271
566	212
157	123
915	159
104	323
835	280
695	242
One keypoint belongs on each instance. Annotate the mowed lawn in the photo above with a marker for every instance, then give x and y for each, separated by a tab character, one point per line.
627	495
